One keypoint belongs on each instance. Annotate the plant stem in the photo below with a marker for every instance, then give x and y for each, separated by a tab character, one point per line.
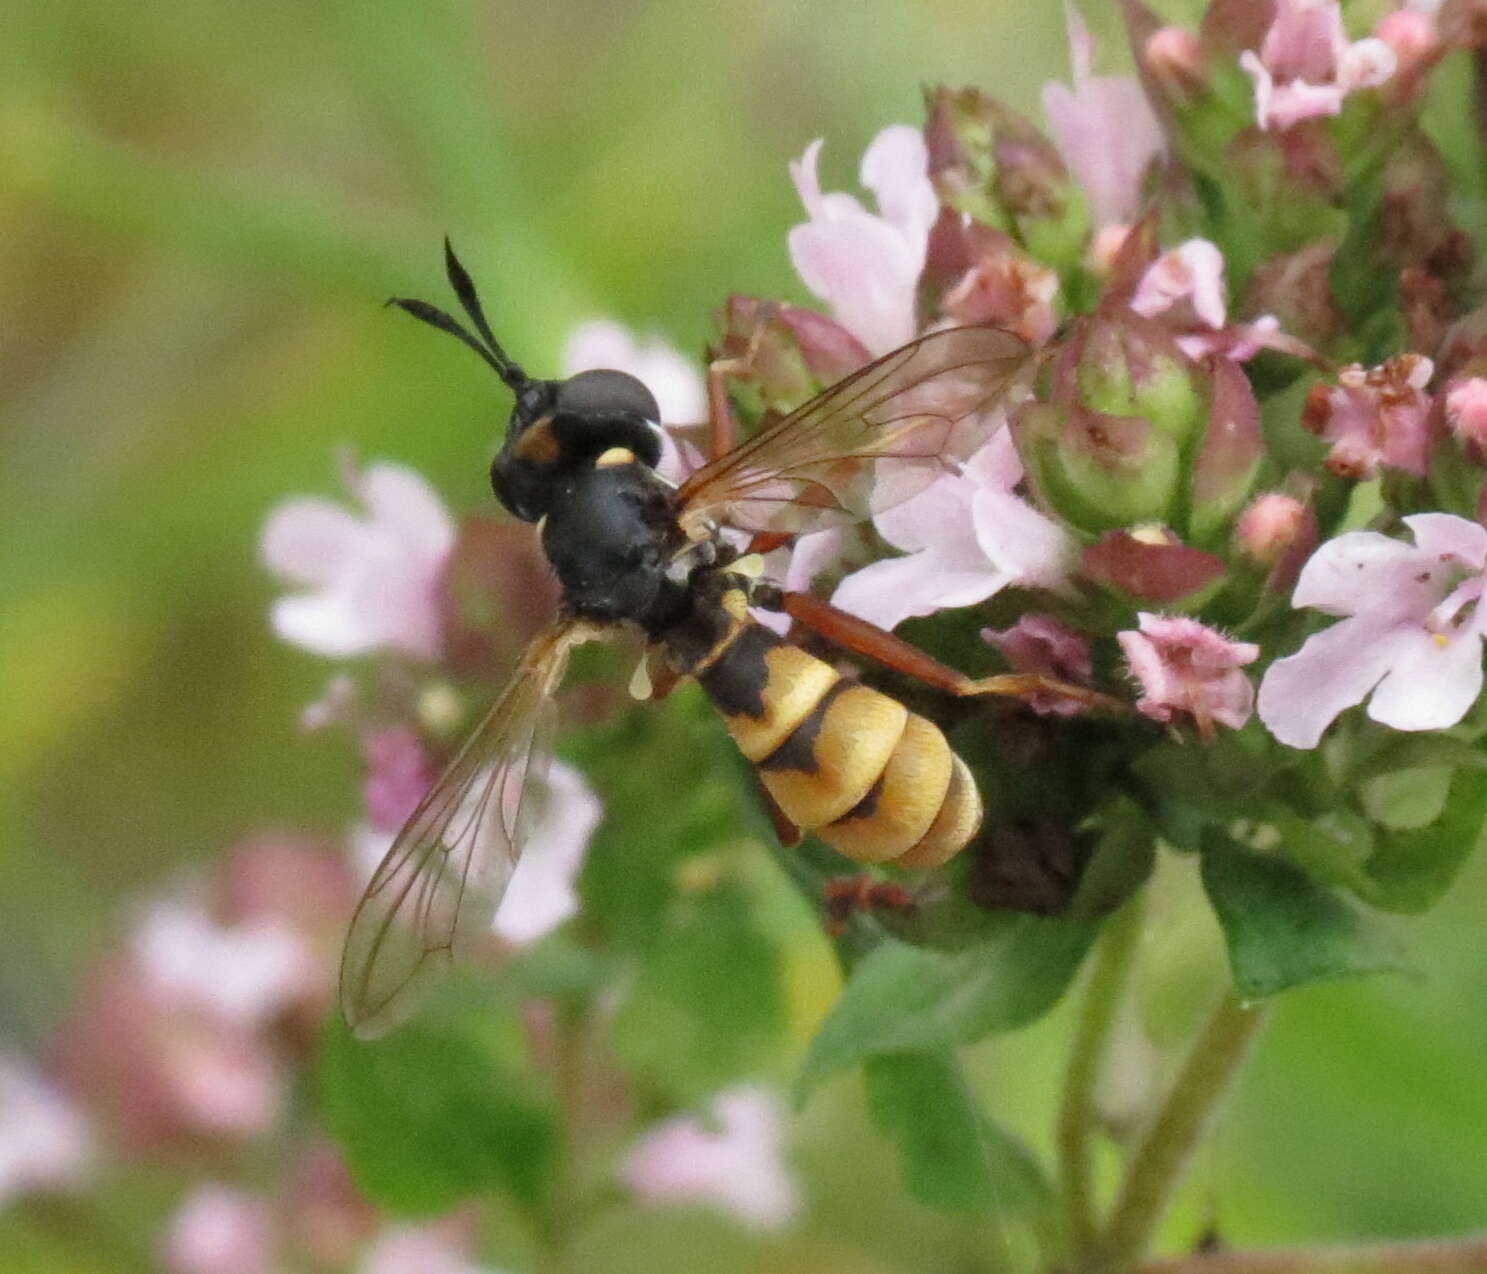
1168	1143
1079	1112
1424	1256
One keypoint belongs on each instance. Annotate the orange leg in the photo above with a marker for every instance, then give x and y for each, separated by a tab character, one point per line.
722	423
881	646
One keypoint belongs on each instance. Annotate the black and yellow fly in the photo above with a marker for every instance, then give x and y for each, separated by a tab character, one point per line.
631	551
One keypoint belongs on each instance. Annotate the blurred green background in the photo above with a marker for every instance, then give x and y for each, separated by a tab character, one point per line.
201	211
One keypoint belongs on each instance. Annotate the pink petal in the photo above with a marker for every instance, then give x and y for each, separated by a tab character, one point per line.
807	182
1021	542
937	515
307	540
895	167
406	508
1305	40
1108	136
323	623
1431	683
889	592
1302	694
862	268
1351	572
1446	535
220	1230
541	893
735	1162
45	1143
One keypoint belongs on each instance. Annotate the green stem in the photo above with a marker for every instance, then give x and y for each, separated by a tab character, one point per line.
1164	1152
1425	1256
1079	1112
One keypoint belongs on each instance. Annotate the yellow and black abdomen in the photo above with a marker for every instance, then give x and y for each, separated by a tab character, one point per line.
852	766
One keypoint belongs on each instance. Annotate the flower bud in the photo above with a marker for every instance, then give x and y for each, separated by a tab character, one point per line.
1229	455
791	352
1173	57
1374	417
1125	365
984	277
1271	524
1097	471
1466	411
1150	565
991	163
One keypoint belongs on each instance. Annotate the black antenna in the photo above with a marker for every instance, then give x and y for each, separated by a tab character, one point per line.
464	288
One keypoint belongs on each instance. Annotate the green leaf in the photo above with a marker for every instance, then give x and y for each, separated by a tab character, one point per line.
955	1158
439	1110
708	1005
1283	928
903	999
1411	868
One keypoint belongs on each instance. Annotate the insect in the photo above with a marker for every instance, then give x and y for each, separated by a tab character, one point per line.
631	551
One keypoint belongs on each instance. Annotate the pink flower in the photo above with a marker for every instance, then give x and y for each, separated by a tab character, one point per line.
1306	67
1041	644
246	974
1105	130
220	1230
866	266
541	894
45	1143
398	774
1186	285
1185	289
440	1248
1374	417
1186	667
966	537
1466	410
1411	636
1006	288
733	1160
372	580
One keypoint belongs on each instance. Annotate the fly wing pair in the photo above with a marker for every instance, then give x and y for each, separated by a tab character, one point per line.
866	443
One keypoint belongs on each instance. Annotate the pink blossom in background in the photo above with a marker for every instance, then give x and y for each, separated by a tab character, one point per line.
324	1213
1306	67
1374	417
734	1160
1466	410
541	893
246	974
45	1142
1185	667
1041	644
675	380
1410	636
866	266
399	772
334	707
220	1230
370	579
966	537
1105	130
442	1247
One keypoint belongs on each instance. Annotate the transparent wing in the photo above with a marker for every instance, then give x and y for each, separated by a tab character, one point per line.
438	886
918	409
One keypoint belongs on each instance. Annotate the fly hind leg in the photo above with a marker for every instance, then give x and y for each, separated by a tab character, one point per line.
879	645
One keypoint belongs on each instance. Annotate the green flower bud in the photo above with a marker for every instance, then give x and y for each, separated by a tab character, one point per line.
1229	456
1122	364
1098	471
991	163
